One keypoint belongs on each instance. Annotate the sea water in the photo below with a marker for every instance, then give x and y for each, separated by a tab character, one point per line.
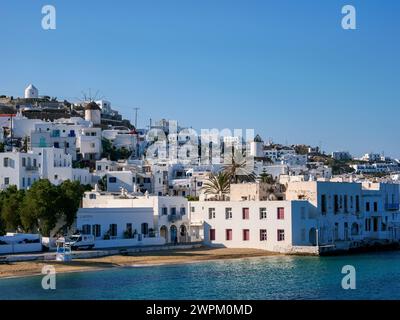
275	277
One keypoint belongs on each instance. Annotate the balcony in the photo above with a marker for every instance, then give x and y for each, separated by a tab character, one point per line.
31	168
392	206
174	218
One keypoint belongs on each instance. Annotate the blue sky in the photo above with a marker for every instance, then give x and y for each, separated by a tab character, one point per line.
285	68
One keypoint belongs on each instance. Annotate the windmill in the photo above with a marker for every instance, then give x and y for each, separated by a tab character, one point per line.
87	97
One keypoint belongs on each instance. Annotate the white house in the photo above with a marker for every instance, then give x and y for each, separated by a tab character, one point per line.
123	215
19	169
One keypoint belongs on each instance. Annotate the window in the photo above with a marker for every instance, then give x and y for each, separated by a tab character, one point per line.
246	213
96	230
263	235
263	213
281	235
92	196
55	177
164	211
367	224
6	162
145	228
6	181
281	213
228	213
346	209
86	229
211	213
193	209
98	168
336	203
367	207
228	234
246	234
24	162
323	203
113	230
212	234
183	211
357	203
23	182
173	211
375	206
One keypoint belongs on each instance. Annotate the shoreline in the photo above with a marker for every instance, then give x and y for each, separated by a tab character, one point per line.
138	260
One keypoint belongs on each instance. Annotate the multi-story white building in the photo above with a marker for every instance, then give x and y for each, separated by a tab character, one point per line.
88	143
120	215
23	169
315	217
278	226
19	169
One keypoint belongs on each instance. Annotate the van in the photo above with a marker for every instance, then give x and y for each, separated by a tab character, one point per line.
81	241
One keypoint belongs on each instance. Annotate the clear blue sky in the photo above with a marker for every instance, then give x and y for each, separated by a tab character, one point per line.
285	68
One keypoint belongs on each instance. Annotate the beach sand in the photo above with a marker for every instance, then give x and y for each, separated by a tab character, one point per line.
31	268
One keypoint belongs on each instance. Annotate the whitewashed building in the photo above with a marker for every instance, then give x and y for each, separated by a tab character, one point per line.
120	216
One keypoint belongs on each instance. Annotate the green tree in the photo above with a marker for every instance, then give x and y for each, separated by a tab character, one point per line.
218	185
70	194
11	207
267	178
42	207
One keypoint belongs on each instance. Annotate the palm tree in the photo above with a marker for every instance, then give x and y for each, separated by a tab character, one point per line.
218	185
238	169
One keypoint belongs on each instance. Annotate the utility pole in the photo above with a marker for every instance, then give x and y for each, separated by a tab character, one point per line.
136	116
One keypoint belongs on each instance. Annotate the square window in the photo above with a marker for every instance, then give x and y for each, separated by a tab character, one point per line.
281	235
263	213
211	213
228	213
263	235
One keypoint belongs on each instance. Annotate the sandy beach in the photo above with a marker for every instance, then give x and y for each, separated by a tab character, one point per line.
21	269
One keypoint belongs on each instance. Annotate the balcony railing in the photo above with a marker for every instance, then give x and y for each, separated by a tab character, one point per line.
31	168
392	206
174	217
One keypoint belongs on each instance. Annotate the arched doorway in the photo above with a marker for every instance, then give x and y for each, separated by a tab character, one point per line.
312	236
174	234
164	233
183	233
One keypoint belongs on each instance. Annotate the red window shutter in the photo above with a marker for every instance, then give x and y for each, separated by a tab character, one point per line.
281	213
228	234
212	234
246	234
246	214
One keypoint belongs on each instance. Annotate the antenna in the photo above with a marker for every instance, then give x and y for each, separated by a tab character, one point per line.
136	116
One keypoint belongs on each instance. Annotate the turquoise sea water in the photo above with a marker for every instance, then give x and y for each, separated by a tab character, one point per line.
287	277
